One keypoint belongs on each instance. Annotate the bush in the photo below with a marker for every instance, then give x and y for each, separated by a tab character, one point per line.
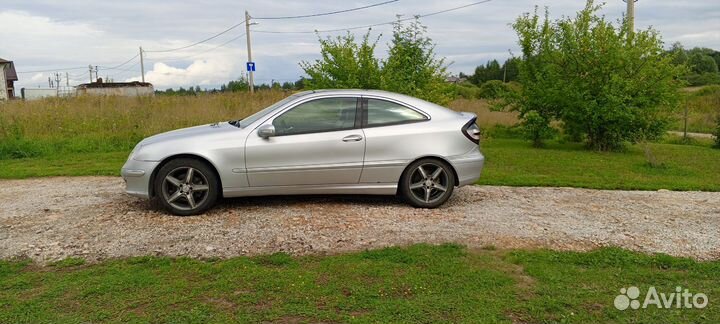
467	91
575	70
536	128
493	89
703	79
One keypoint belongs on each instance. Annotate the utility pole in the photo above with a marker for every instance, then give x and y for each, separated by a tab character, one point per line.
96	73
142	65
249	48
90	67
630	16
67	79
57	79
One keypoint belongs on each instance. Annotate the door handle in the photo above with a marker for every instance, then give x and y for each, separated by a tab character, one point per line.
352	138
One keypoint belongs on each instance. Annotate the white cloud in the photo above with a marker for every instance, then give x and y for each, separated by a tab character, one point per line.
200	72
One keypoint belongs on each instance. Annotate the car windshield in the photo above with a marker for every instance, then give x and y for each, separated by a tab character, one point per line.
242	123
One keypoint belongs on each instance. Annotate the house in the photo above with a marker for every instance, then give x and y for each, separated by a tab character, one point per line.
123	89
454	79
8	76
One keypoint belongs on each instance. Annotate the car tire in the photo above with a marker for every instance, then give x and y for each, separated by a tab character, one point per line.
185	195
427	183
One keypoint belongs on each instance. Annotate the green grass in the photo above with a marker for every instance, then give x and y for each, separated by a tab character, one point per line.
417	284
70	164
513	162
510	162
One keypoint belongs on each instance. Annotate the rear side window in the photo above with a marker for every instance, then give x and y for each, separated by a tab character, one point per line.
320	115
383	113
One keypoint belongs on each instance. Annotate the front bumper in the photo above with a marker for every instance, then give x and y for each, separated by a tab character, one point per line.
468	166
137	176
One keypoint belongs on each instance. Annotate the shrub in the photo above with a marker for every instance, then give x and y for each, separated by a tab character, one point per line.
703	79
600	81
493	89
467	91
536	128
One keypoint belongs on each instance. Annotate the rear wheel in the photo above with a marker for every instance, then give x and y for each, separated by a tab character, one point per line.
186	187
427	183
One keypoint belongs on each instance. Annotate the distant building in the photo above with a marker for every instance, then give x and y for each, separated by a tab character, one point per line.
8	76
123	89
454	79
38	93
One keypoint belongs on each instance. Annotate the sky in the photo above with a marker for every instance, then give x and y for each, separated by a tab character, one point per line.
67	36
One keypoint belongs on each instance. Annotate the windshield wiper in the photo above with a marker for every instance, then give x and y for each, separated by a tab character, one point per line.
235	123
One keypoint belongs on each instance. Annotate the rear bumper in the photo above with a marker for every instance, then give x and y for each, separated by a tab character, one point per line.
468	166
137	177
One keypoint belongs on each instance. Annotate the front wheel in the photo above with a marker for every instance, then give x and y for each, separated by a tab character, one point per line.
427	183
186	187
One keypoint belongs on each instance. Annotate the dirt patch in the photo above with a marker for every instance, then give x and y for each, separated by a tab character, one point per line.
91	217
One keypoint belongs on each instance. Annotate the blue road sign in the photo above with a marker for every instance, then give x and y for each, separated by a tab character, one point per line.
251	66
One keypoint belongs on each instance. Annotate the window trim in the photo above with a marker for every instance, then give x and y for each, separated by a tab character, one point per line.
364	108
356	125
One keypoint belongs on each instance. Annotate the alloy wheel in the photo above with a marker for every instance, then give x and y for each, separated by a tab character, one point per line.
185	188
428	182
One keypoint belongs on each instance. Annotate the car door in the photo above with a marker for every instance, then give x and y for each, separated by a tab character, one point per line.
316	142
394	136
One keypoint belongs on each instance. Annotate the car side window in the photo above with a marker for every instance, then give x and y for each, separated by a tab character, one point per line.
320	115
382	113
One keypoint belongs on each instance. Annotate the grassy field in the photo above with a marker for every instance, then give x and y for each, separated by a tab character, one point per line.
52	127
510	162
93	135
417	284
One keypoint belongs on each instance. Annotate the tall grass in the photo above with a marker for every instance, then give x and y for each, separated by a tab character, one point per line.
109	124
486	117
703	106
112	124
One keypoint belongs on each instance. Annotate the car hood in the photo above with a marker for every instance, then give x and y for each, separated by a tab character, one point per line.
190	133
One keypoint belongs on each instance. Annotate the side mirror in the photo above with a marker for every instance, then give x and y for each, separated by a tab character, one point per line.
266	131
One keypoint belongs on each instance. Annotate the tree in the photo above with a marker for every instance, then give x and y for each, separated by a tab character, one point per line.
344	64
237	85
599	83
678	53
288	85
510	69
412	67
494	71
702	63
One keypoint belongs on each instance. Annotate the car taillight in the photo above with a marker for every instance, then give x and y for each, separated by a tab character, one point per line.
472	131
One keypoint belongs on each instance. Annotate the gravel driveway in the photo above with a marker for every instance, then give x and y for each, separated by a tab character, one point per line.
91	217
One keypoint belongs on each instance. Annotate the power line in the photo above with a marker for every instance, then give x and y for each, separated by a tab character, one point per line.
265	18
202	52
124	71
121	64
55	70
198	43
327	13
79	68
372	25
131	68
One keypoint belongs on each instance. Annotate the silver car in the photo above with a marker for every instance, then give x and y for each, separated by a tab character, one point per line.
314	142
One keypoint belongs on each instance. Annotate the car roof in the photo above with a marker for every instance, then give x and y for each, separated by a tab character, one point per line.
421	104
